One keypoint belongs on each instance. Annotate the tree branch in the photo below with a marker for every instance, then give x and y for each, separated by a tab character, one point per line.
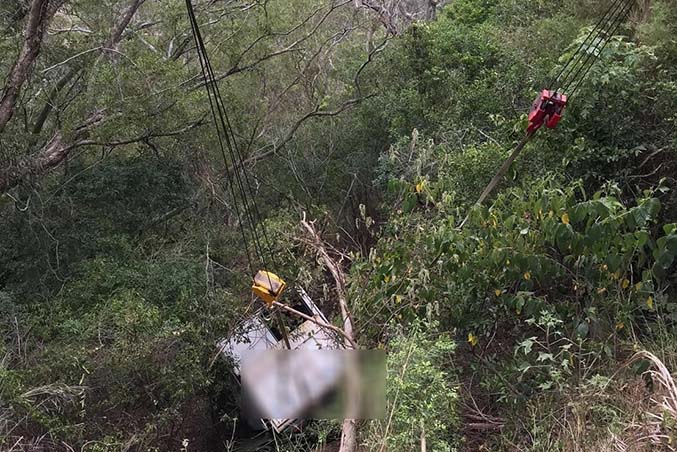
110	45
53	153
394	15
116	35
349	427
77	55
253	159
316	112
56	150
144	137
49	105
384	16
293	47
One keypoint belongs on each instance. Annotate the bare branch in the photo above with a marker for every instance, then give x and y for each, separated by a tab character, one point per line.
253	159
384	15
336	272
349	427
56	150
143	138
395	16
316	321
293	47
274	104
369	59
85	52
273	149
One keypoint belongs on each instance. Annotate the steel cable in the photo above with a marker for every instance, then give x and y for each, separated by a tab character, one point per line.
600	42
617	25
225	133
600	24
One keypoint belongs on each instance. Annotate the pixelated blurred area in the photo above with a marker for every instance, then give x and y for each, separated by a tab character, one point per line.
316	378
317	384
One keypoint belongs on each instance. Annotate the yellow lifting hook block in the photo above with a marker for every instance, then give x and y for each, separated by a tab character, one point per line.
268	286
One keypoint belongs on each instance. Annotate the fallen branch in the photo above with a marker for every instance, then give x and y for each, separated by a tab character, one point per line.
483	427
349	426
318	244
316	321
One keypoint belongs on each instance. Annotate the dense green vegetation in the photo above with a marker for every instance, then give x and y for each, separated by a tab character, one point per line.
123	265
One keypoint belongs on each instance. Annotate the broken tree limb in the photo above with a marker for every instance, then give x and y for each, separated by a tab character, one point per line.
339	278
315	321
349	426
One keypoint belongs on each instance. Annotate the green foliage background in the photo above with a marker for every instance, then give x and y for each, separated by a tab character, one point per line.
121	269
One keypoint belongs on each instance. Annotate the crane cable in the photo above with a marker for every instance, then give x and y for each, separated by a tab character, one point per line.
223	126
248	212
598	26
620	19
570	76
578	65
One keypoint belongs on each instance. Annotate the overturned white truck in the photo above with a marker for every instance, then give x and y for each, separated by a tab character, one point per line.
266	382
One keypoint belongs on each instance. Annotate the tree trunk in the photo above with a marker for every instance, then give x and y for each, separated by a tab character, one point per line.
348	436
116	35
19	73
431	10
49	105
51	155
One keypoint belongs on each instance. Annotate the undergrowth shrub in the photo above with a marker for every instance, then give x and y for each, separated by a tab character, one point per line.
556	271
421	393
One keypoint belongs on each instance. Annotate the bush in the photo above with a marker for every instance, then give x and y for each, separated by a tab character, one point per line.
421	394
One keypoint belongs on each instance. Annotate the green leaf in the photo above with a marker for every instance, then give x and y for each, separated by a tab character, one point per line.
542	356
526	345
670	228
409	203
582	329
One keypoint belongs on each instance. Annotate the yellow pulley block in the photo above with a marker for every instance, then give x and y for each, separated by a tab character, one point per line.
268	286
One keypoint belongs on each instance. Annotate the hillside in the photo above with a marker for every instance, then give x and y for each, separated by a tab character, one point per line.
133	217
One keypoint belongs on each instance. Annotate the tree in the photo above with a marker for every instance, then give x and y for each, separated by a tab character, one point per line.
38	16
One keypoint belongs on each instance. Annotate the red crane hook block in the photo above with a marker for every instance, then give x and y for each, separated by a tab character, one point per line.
547	109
